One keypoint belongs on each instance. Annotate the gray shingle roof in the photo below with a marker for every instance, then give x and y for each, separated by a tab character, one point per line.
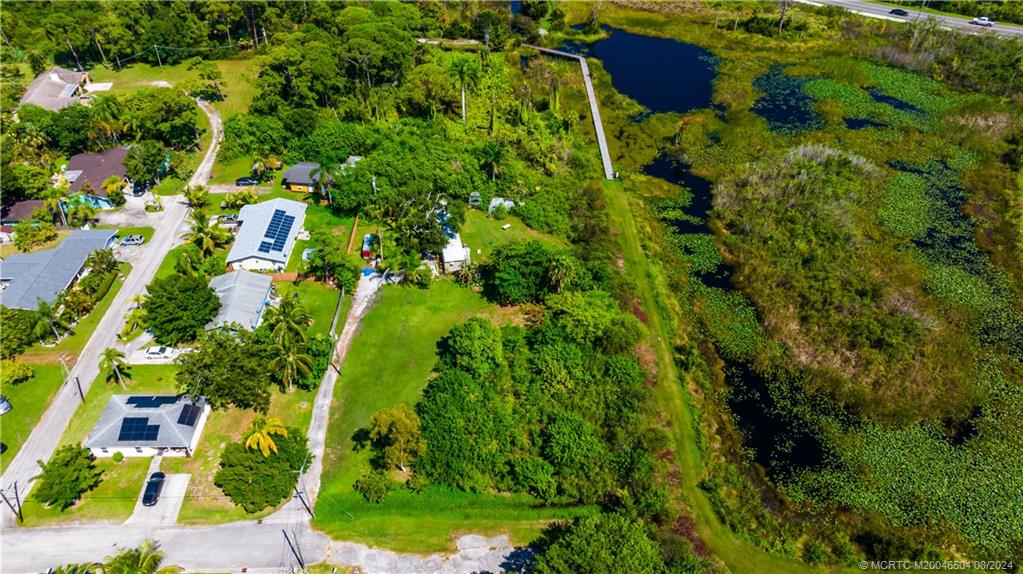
163	411
21	210
95	168
243	295
53	89
43	274
301	173
255	219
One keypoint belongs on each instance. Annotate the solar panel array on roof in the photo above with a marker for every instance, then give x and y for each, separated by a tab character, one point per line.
277	231
138	429
143	402
189	414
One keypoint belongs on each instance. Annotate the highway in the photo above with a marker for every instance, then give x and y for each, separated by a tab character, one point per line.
881	11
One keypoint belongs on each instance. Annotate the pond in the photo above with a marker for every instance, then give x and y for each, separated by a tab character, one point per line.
662	75
670	76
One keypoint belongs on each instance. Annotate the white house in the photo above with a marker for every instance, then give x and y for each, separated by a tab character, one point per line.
267	235
454	255
149	425
244	296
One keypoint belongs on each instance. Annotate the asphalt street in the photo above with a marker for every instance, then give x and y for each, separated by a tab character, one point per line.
882	11
169	225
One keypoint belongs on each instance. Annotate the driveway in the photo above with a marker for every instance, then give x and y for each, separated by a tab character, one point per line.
165	511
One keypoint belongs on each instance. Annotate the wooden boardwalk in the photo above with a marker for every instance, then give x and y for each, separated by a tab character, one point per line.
598	126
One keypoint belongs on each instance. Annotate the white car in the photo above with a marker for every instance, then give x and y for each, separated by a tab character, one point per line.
983	21
158	353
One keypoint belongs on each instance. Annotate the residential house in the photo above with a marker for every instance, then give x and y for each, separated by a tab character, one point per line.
267	235
86	173
55	89
149	425
454	256
299	177
27	278
243	297
20	211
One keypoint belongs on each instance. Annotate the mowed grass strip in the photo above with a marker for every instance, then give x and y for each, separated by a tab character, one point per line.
389	364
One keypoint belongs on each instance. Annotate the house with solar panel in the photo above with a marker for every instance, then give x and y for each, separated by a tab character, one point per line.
149	425
266	235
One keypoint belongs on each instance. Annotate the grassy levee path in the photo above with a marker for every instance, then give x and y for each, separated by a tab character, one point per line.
672	401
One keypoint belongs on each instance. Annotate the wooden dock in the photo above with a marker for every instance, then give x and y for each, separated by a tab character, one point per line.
598	126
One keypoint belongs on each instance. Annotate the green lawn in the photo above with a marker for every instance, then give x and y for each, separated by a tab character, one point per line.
112	501
238	90
388	364
146	232
115	498
318	298
169	186
483	233
30	400
204	502
227	172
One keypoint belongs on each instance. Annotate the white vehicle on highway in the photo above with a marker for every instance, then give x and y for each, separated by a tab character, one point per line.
983	21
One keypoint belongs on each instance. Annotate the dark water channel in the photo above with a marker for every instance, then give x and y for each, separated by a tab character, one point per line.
670	76
662	75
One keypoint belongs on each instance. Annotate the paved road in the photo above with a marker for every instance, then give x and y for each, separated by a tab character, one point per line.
872	10
41	443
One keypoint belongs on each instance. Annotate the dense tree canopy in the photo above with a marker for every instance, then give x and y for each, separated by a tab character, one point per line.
229	369
179	307
70	473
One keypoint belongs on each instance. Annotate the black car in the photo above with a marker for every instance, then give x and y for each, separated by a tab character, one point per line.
244	181
153	487
899	12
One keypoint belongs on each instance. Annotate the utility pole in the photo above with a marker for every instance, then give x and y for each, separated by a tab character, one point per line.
78	384
294	548
158	60
17	510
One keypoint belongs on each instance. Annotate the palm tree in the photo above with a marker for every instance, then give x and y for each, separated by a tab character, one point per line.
327	170
289	320
52	201
106	113
493	155
112	363
80	213
146	559
101	261
466	69
198	197
261	433
291	364
204	234
48	320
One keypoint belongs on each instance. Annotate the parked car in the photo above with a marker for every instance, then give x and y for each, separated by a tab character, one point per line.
899	12
133	240
158	353
246	181
983	21
153	487
5	405
228	218
139	188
